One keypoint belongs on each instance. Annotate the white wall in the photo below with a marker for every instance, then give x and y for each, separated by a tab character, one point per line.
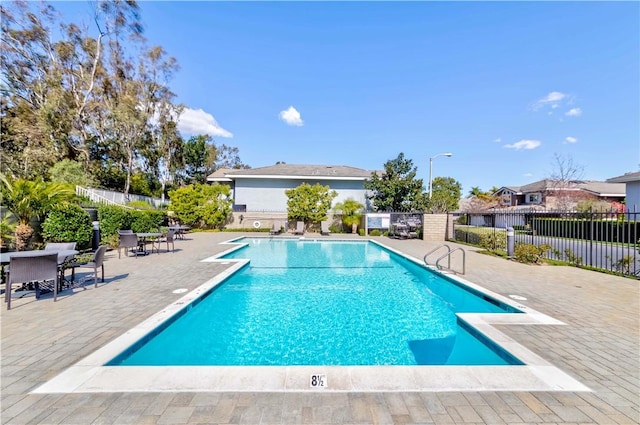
268	194
633	196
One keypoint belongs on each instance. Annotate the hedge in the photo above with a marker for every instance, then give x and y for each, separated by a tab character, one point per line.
113	218
603	230
487	238
68	223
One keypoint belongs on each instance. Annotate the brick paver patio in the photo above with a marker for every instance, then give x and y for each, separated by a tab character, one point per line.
599	346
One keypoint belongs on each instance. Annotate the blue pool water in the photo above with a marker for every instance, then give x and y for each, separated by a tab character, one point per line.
306	302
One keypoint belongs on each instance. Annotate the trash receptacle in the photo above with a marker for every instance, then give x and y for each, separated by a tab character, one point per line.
96	236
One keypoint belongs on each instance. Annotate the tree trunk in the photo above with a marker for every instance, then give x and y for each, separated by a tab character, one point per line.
23	236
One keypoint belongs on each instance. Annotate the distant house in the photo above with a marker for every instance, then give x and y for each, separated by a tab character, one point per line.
632	189
263	189
552	194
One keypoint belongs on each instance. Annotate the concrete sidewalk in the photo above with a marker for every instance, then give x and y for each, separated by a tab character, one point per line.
599	346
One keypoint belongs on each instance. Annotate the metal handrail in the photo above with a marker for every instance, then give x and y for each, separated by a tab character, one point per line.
448	255
434	250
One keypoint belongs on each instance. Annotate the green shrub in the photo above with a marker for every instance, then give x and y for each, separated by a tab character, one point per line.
140	205
488	238
361	232
202	205
68	223
530	254
375	232
493	241
113	218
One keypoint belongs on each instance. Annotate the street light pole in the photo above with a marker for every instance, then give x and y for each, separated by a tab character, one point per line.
431	168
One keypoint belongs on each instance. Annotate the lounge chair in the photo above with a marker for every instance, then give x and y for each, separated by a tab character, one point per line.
299	228
324	228
276	228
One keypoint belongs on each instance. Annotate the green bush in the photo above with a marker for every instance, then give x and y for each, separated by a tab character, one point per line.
202	205
530	254
114	218
361	232
140	205
493	241
488	238
68	223
375	232
335	229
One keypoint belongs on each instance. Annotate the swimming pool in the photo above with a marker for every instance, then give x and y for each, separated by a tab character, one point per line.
321	302
92	374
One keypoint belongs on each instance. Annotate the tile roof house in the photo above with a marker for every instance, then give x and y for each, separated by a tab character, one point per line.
553	194
263	189
632	189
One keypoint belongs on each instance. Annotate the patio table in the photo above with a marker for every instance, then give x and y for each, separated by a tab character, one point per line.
180	230
64	255
142	242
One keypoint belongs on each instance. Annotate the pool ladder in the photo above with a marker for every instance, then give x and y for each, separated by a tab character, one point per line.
446	255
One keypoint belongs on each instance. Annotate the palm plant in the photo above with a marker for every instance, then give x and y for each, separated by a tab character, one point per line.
28	200
351	211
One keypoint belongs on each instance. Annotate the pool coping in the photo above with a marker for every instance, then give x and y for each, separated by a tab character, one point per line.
89	375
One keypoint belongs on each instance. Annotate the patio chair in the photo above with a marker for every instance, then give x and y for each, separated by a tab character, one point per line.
94	264
299	228
324	228
167	238
276	228
128	241
55	246
35	268
65	263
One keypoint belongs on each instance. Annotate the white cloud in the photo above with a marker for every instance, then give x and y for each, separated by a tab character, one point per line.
527	175
553	99
498	140
570	139
575	112
197	121
291	116
524	144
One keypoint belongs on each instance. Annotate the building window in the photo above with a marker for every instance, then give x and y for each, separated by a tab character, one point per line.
239	208
506	199
533	198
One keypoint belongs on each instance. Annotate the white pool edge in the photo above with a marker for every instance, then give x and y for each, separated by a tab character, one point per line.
89	375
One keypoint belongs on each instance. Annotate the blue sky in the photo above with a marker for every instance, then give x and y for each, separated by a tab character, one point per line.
503	86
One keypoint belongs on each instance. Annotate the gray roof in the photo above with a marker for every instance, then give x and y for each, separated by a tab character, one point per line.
596	187
626	178
295	171
603	188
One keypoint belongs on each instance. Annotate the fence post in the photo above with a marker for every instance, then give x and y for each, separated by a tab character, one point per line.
591	236
511	242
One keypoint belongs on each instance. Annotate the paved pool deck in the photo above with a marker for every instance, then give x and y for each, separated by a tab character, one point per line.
599	346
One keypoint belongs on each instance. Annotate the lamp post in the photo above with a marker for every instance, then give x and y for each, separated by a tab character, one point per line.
431	168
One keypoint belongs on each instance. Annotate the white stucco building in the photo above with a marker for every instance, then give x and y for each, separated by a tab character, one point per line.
263	189
632	189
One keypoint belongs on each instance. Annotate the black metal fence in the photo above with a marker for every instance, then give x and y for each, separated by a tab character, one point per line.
607	240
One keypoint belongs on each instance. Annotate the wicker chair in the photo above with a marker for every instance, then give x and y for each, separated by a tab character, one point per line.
128	241
55	246
97	262
34	268
65	264
168	238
